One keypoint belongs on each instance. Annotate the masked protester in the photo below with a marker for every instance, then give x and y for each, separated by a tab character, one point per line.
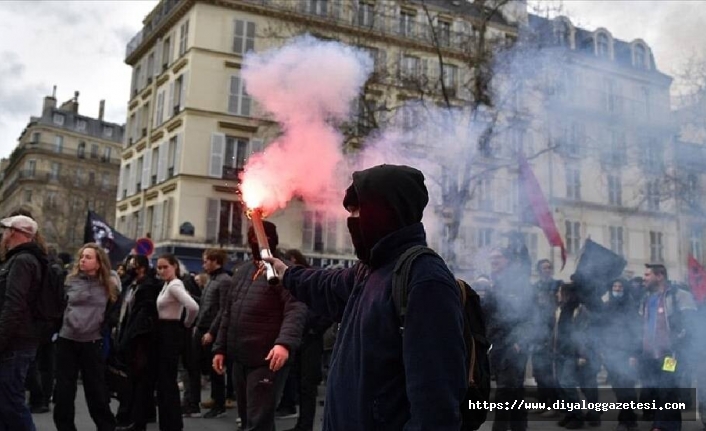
382	377
260	326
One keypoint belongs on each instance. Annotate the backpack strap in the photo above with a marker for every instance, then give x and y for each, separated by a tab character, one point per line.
400	278
467	327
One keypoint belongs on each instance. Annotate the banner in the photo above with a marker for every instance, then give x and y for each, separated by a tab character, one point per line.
113	242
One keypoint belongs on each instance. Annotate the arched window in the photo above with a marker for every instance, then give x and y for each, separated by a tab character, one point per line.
603	45
640	56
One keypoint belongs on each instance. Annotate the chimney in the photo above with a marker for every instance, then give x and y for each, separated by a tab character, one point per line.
101	110
71	105
49	101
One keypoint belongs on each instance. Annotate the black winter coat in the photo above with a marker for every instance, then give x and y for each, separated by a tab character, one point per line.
141	320
256	317
20	281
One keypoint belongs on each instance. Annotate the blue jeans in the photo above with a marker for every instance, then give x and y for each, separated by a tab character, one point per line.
14	414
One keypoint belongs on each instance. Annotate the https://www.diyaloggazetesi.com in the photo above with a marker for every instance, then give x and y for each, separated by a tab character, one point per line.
572	406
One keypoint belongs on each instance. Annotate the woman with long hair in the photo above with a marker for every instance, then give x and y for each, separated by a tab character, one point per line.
89	291
171	330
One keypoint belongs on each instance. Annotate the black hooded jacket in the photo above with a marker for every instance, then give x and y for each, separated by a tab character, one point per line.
379	378
20	281
139	322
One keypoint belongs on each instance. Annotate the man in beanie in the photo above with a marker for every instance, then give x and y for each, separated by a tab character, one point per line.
20	282
259	327
381	377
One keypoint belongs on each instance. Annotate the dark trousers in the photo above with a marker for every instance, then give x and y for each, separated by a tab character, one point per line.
623	380
14	414
258	390
543	371
665	387
309	370
72	357
170	336
218	381
40	377
192	364
573	376
141	382
509	369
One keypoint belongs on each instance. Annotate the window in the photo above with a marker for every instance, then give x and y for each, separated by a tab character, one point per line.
696	243
31	168
576	140
171	157
484	237
166	53
611	100
107	131
159	109
91	178
573	183
50	199
36	137
603	45
140	167
317	7
58	143
106	154
319	232
615	190
58	119
409	67
616	239
95	149
81	125
652	195
640	57
562	33
150	67
379	57
230	223
178	96
238	101
243	37
653	156
450	78
136	73
485	194
236	153
618	148
444	33
183	37
78	179
154	168
125	179
656	247
573	236
81	152
366	14
54	171
406	24
105	181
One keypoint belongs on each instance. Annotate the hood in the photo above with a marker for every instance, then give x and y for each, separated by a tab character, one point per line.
389	197
32	248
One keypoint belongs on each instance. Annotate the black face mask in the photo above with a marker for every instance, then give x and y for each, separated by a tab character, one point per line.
361	249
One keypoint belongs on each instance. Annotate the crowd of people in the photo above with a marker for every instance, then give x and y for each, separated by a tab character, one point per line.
141	331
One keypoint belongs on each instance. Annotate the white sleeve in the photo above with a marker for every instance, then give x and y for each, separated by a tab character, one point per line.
179	292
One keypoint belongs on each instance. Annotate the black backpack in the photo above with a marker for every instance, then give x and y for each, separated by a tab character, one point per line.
48	309
477	345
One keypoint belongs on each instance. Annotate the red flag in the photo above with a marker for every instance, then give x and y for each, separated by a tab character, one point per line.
697	279
538	212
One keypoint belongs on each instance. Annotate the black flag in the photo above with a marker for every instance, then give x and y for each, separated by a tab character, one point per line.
113	242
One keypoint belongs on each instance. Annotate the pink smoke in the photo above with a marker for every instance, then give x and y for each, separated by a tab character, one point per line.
307	85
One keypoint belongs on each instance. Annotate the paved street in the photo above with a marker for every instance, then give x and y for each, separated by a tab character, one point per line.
83	421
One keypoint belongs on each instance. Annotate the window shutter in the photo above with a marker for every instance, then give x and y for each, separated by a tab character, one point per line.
167	212
121	182
184	81
132	179
157	221
234	95
162	163
170	106
146	169
218	146
158	59
177	153
212	220
140	222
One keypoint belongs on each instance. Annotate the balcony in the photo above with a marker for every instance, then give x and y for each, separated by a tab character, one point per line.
231	174
158	16
46	149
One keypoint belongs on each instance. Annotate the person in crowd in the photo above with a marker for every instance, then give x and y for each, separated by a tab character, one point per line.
545	301
20	280
620	340
383	376
173	302
201	279
136	340
260	326
307	365
205	333
121	270
699	351
668	317
79	347
576	362
507	306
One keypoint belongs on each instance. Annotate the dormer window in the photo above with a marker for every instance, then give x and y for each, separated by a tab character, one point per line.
603	45
640	57
562	32
58	119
